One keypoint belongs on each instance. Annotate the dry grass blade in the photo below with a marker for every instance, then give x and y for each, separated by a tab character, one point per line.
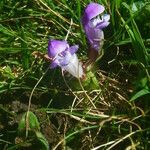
123	138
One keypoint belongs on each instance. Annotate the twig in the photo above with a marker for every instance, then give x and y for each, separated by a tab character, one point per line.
29	104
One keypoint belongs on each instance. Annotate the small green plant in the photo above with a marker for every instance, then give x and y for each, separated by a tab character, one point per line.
34	133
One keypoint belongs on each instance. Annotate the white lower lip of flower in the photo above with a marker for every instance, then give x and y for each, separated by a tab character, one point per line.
95	21
106	17
74	67
99	19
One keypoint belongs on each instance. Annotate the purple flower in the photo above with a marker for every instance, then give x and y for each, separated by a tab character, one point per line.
93	22
64	56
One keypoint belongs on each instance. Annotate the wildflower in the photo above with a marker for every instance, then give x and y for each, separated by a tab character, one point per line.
64	56
93	22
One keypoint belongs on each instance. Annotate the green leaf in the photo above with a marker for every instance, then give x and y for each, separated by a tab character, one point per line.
136	38
22	123
6	31
91	81
43	140
140	94
136	6
32	120
7	72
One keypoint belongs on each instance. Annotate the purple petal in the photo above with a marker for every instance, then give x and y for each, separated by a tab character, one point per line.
92	10
65	59
95	37
55	47
53	65
73	49
102	25
61	60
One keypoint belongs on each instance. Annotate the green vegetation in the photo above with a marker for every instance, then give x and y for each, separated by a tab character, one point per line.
45	109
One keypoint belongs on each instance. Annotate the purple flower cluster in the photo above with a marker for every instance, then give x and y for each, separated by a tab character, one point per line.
64	56
94	22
